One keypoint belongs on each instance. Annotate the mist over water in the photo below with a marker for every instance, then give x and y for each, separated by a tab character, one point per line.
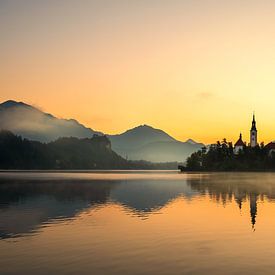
137	222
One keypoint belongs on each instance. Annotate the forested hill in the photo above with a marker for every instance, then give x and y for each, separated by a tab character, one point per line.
65	153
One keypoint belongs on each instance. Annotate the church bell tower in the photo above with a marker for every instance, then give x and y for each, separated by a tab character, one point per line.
253	133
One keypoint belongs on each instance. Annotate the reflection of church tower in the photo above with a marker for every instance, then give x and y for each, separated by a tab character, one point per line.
239	201
239	197
253	208
253	133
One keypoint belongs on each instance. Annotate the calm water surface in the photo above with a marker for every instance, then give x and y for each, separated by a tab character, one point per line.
137	223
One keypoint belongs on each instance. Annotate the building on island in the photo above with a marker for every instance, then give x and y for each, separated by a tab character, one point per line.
239	145
253	133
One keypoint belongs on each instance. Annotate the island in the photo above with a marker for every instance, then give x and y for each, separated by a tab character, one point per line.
223	156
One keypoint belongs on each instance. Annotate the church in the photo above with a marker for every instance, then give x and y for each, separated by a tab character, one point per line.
239	145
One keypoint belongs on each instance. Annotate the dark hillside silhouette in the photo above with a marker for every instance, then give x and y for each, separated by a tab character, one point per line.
66	153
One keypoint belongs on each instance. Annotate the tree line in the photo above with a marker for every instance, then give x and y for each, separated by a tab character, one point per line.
221	157
66	153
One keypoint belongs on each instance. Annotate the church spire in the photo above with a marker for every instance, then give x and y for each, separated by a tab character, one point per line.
253	127
253	133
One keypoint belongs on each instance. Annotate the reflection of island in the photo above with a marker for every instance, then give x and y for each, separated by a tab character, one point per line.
224	187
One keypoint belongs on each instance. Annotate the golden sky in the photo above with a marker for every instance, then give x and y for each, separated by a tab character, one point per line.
196	69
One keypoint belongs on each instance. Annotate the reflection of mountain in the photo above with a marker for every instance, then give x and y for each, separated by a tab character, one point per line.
24	206
148	196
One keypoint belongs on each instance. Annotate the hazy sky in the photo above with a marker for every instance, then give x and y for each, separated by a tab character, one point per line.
192	68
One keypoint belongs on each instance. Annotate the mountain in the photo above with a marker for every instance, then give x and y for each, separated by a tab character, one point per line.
32	123
191	141
140	143
147	143
139	136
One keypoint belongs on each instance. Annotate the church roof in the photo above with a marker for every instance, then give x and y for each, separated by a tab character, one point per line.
240	141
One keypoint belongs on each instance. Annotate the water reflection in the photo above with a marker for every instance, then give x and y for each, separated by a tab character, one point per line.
28	204
242	187
24	205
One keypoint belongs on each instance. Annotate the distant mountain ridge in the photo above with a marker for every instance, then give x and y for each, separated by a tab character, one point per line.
140	143
148	143
32	123
140	136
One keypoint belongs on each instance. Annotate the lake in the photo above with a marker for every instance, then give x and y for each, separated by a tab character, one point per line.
138	222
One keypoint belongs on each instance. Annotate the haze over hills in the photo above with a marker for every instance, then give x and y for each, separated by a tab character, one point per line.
146	142
30	122
140	143
140	136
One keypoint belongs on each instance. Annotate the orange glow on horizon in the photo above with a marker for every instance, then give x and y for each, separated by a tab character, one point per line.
194	70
